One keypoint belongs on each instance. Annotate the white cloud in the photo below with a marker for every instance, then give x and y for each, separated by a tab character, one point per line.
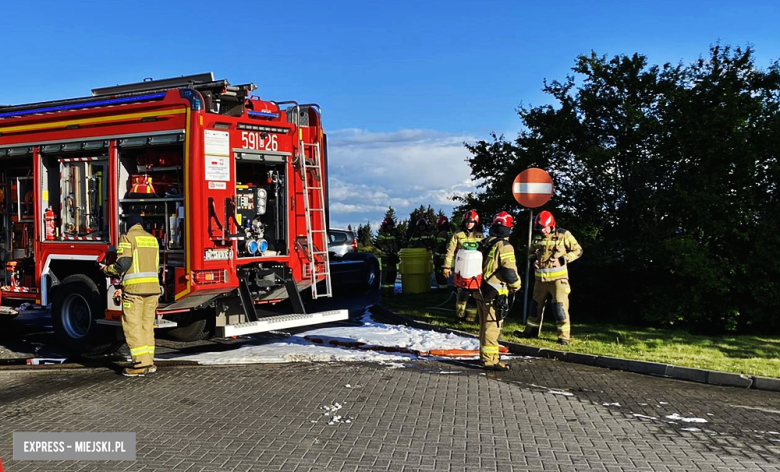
370	171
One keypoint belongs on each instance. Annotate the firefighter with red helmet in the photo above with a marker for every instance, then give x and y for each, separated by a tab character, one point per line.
138	260
468	237
386	243
551	251
443	237
499	280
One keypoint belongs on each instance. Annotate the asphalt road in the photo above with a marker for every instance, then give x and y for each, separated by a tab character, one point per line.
425	416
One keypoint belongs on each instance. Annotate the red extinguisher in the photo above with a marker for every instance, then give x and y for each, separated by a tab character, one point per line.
51	223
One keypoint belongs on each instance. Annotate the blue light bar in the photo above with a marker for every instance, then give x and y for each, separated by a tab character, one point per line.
74	106
263	114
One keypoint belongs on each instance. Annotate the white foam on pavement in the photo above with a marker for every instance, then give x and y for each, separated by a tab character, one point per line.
677	417
298	349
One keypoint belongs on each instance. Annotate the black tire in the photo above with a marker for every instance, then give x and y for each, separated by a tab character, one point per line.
190	328
371	275
76	306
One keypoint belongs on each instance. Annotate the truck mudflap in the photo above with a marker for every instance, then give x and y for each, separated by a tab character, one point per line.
279	322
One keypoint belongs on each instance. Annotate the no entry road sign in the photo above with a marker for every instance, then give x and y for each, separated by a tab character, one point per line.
532	187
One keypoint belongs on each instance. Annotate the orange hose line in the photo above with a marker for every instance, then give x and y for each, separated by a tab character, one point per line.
431	353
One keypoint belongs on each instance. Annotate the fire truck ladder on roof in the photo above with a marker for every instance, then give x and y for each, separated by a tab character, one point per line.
314	202
148	90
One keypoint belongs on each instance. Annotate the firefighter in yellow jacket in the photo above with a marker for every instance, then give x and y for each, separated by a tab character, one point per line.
385	242
499	280
468	237
551	251
424	237
138	260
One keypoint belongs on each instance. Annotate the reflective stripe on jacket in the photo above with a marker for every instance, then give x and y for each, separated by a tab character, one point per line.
442	240
500	267
559	245
457	242
424	240
385	242
138	261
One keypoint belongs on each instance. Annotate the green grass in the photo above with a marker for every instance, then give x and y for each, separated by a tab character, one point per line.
744	354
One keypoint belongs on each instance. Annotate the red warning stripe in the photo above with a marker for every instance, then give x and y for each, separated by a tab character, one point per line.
8	288
77	159
81	238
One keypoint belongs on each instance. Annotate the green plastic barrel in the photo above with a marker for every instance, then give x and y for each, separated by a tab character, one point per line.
415	268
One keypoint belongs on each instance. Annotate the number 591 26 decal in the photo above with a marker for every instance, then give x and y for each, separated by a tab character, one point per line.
254	140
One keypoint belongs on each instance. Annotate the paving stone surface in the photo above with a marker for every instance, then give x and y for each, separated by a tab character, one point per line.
425	416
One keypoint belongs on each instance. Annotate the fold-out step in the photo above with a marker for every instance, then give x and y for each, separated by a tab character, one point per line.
158	324
273	323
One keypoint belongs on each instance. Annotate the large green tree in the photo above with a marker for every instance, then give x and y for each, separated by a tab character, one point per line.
666	174
365	236
719	207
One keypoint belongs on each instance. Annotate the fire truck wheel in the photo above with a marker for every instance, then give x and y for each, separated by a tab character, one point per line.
75	308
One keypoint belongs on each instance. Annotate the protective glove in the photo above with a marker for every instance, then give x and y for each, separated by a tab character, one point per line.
446	272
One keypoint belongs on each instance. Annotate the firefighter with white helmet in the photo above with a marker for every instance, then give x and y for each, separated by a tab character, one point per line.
551	251
137	262
469	236
499	280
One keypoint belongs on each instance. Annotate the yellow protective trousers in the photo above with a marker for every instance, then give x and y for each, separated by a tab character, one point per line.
438	264
462	308
138	312
389	273
489	330
557	291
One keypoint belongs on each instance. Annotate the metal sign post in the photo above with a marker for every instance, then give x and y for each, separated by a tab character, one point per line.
531	188
527	267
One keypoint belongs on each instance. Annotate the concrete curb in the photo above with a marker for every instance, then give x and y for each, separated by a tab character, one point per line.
639	367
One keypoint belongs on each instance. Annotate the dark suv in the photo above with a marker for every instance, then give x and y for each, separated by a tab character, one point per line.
348	267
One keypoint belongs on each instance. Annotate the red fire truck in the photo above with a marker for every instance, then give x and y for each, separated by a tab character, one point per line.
232	186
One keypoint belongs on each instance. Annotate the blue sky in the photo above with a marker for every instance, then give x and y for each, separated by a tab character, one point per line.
402	84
